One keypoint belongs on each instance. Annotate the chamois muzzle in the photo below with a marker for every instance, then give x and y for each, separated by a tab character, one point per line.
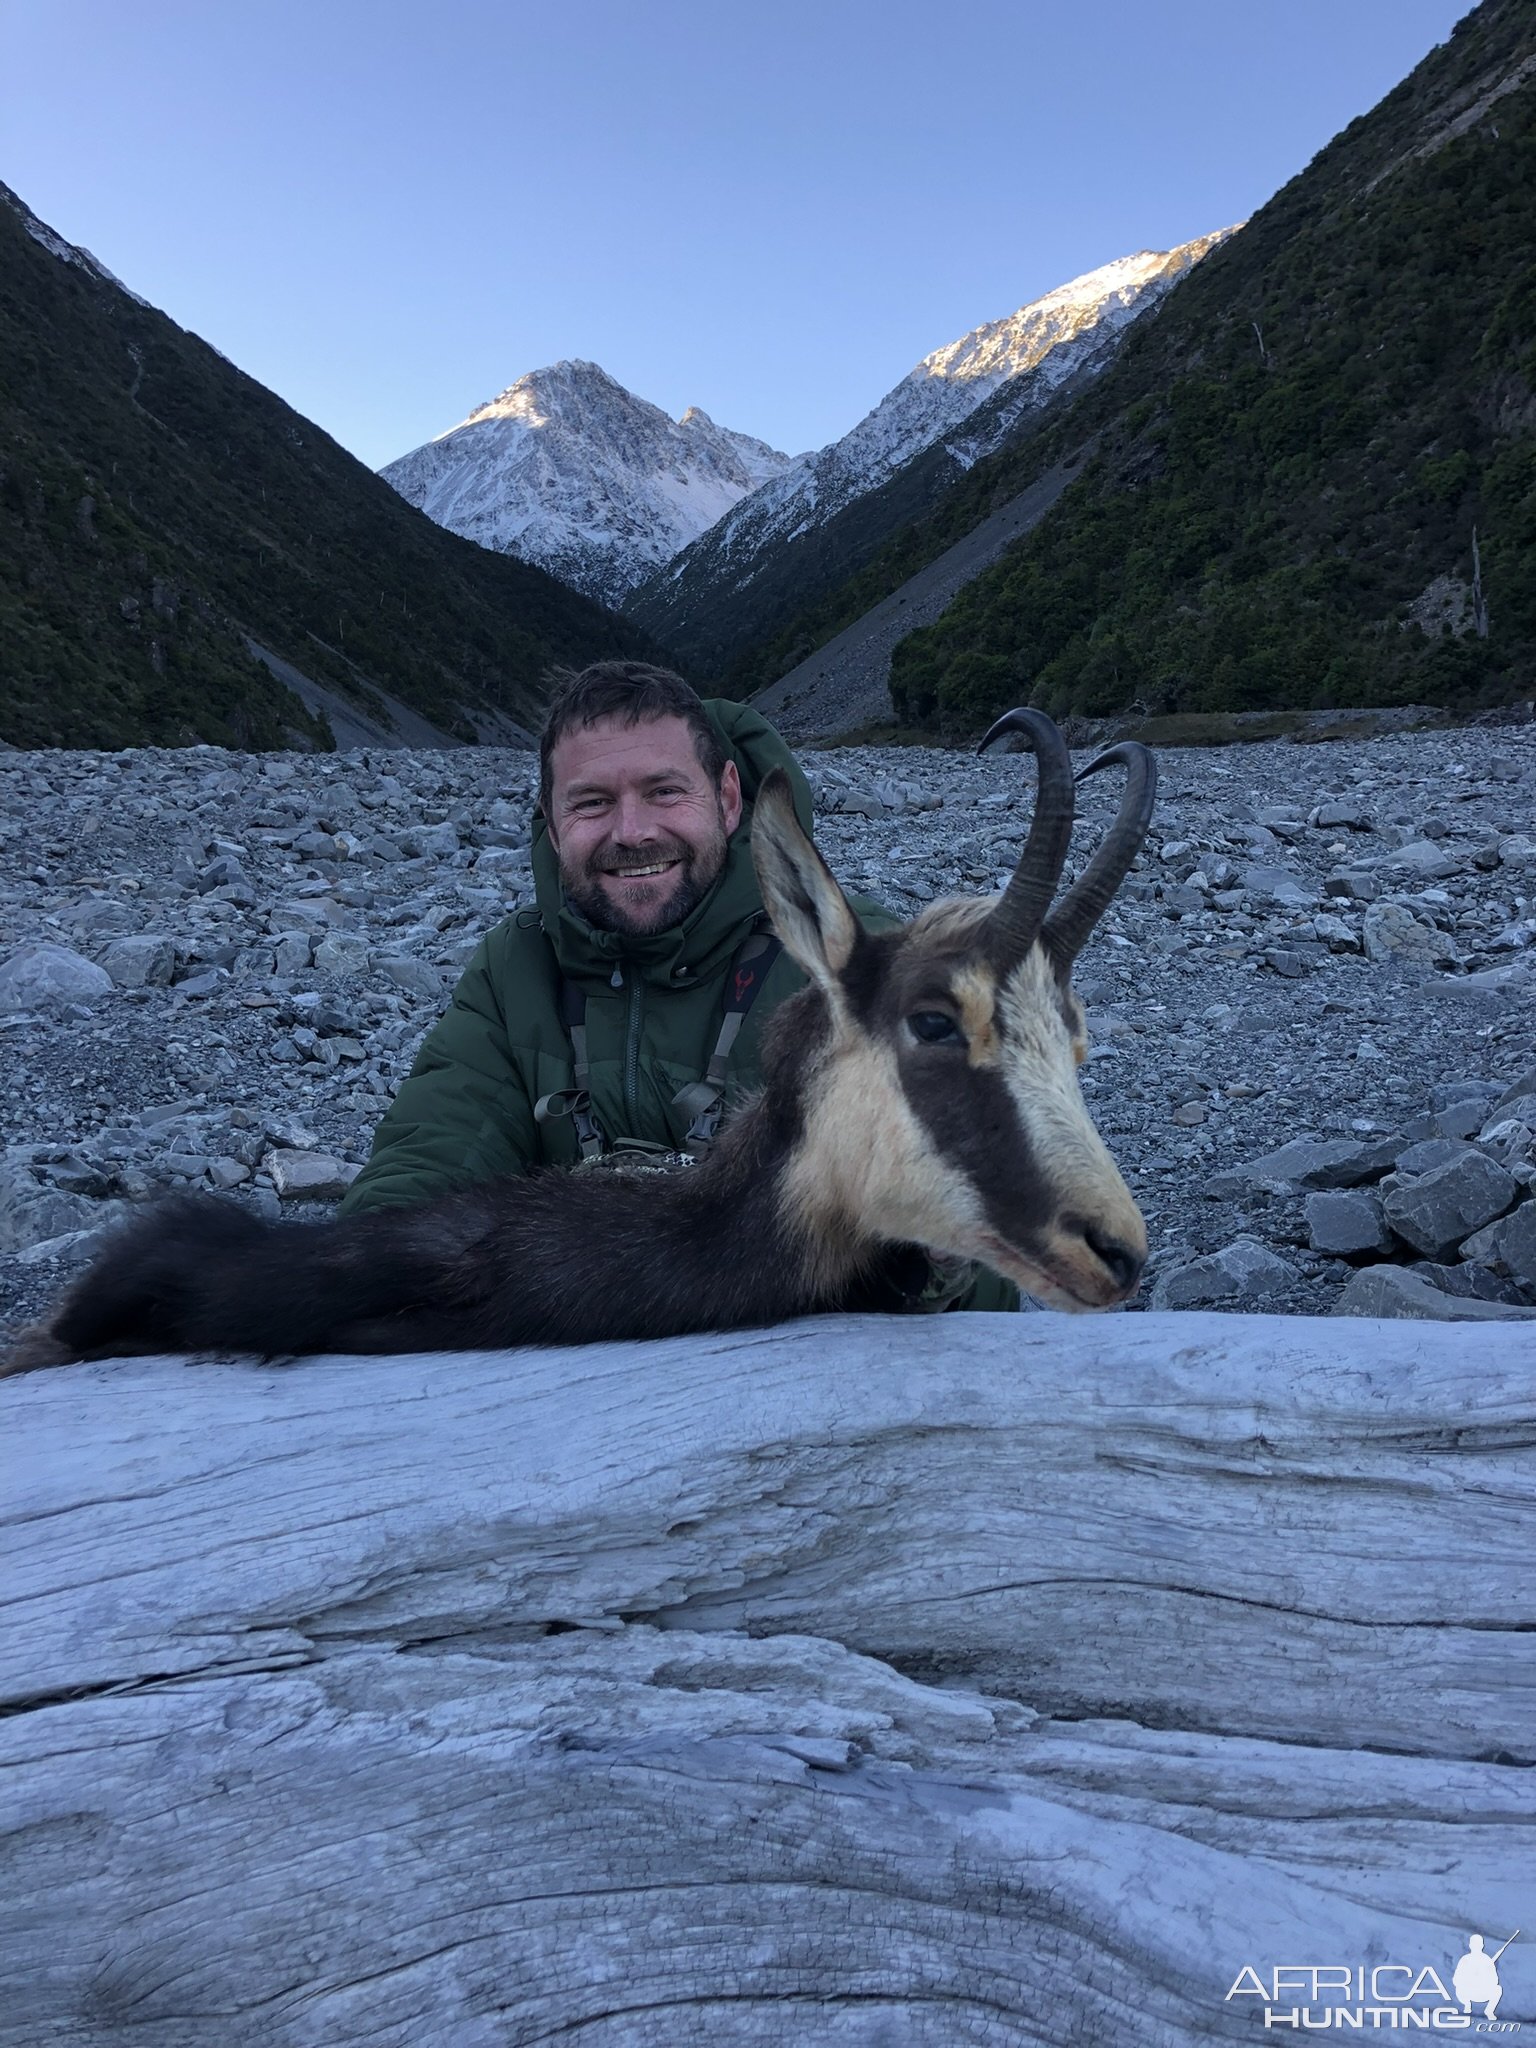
1016	922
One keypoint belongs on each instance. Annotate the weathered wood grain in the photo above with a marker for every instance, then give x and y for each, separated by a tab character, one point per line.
862	1681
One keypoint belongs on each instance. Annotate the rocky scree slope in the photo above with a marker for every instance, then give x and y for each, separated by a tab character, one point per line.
823	515
160	510
1312	1008
1291	458
569	470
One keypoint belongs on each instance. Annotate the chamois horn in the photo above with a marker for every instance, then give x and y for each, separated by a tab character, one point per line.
1066	930
1020	912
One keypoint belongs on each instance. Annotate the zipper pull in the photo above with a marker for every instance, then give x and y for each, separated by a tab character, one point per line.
616	979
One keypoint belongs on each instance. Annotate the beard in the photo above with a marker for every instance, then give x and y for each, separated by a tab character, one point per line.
654	905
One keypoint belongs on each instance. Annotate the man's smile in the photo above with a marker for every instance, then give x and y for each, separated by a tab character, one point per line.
660	867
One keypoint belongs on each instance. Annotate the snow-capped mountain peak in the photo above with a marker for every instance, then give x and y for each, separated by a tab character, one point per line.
1046	342
956	405
567	469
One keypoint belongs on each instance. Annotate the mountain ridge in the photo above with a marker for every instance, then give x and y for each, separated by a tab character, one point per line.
948	411
160	510
569	470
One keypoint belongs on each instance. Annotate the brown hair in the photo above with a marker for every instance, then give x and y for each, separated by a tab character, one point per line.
633	691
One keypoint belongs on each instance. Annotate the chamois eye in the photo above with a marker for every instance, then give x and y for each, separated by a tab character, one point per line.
932	1027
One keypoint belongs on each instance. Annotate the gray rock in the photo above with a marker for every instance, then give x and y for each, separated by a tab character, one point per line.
1287	961
1359	888
290	954
309	1176
1424	859
45	973
1279	886
74	1245
1488	981
409	973
1511	1109
219	873
1507	1246
1327	817
1390	1291
141	960
1474	1283
1324	1163
1391	931
1336	934
1445	1094
98	916
1435	1212
437	842
1460	1119
205	984
344	954
1427	1155
1243	1271
1347	1225
31	1212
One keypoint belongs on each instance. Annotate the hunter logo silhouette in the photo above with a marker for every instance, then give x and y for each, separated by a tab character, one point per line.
1475	1979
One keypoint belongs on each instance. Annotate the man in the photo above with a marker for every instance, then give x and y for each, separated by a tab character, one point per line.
591	1022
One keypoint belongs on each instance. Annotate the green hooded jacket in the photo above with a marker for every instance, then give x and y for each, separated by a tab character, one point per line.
654	1007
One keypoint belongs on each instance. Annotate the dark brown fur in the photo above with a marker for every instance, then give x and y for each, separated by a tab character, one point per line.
552	1258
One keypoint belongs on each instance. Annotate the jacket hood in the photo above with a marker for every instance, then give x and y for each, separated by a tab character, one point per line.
709	936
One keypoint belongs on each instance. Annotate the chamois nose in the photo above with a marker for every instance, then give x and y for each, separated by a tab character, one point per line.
1124	1263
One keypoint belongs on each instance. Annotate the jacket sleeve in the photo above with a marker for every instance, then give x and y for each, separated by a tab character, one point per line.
464	1113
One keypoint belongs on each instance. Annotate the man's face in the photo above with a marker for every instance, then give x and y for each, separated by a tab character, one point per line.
639	828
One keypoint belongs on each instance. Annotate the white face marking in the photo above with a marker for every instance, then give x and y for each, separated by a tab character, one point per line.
1041	1057
867	1169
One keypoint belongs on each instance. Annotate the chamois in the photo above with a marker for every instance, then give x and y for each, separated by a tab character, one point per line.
920	1090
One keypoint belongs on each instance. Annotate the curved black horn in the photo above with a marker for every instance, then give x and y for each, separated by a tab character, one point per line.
1066	929
1015	923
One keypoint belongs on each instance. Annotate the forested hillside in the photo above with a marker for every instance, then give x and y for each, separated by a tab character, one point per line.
1292	457
157	506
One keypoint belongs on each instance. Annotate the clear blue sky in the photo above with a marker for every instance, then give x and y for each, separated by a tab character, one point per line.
388	211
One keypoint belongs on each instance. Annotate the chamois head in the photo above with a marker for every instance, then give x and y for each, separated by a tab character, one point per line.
941	1104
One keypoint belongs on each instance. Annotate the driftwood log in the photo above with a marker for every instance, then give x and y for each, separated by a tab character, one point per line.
876	1682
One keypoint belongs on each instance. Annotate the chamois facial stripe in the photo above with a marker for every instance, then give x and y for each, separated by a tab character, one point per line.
975	1129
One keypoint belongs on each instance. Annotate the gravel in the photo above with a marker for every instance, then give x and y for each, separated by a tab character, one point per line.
215	970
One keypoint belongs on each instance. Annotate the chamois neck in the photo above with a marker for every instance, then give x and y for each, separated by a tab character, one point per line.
712	1246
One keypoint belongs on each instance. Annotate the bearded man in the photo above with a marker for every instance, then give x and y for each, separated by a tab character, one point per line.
623	1013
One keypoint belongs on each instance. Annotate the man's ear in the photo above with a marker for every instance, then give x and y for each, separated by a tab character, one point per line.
810	912
730	797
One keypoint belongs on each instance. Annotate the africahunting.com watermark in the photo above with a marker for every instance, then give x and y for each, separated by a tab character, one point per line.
1319	1998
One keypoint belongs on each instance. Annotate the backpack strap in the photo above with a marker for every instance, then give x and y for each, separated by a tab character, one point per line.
703	1101
576	1103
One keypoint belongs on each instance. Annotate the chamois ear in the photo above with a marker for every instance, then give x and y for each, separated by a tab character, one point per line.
810	912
